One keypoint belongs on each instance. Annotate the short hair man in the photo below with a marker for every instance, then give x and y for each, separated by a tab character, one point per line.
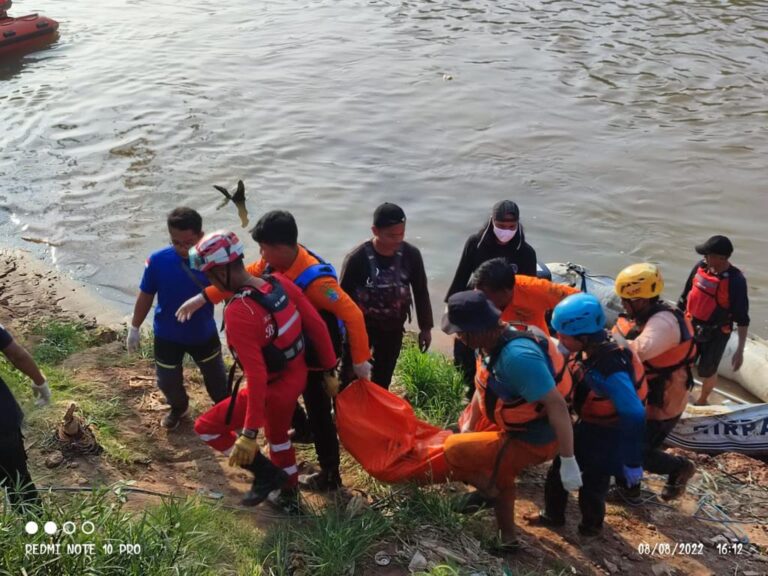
167	274
379	275
715	297
523	300
14	474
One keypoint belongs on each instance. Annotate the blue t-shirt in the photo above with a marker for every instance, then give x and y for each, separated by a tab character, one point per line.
170	277
11	415
522	370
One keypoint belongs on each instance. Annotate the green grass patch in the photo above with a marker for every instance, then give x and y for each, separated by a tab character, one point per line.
416	506
57	339
432	385
173	537
333	542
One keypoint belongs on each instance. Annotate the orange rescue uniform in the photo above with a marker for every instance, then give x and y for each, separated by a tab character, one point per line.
531	299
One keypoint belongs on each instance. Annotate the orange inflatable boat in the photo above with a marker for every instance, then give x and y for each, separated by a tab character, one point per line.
26	33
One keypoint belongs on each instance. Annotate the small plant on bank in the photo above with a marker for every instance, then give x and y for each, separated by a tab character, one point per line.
58	340
333	542
432	385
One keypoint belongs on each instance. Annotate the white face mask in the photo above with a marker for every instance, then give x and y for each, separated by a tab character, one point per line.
504	236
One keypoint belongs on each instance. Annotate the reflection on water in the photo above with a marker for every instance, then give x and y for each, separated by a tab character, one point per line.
625	132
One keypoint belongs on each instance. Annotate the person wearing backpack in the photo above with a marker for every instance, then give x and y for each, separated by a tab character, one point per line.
385	277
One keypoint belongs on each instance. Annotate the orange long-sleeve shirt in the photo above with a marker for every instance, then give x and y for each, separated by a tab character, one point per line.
531	299
324	294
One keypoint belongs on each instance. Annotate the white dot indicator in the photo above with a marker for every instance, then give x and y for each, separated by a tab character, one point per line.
88	527
31	528
68	528
50	528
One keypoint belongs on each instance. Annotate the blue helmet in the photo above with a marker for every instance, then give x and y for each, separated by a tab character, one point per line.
578	314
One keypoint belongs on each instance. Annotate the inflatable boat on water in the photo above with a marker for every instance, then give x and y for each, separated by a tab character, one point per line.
26	33
753	374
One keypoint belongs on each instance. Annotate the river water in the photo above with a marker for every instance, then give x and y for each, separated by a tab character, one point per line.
625	131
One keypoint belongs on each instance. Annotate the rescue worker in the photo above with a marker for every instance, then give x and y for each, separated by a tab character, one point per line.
715	296
14	474
379	275
523	300
264	321
501	237
609	390
662	337
516	389
277	235
167	274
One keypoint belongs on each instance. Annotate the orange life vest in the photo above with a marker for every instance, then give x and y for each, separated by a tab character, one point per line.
709	300
592	407
513	415
659	368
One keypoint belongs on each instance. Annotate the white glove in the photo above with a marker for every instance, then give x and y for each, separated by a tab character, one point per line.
189	307
362	370
570	475
133	340
42	393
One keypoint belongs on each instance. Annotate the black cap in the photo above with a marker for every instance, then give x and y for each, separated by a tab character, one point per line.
388	214
505	210
719	245
470	311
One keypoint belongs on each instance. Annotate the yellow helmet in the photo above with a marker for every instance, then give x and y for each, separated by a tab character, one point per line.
639	281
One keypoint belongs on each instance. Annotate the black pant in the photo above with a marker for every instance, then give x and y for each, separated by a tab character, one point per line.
320	421
598	453
14	474
385	349
591	496
464	360
169	357
656	459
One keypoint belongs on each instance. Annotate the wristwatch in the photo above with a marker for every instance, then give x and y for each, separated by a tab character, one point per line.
248	433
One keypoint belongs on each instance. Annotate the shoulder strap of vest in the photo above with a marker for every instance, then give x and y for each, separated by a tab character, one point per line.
610	347
371	259
661	306
510	334
273	301
321	269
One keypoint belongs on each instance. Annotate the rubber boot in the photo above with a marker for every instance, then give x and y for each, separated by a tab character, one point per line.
266	478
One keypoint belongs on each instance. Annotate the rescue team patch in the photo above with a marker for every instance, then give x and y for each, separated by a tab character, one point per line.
332	294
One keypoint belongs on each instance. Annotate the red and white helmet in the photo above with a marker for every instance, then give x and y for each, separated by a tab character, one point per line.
215	249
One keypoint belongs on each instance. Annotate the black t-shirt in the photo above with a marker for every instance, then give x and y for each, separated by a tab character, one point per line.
10	411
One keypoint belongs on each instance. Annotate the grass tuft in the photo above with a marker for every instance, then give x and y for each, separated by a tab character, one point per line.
57	340
332	542
414	507
432	384
174	537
